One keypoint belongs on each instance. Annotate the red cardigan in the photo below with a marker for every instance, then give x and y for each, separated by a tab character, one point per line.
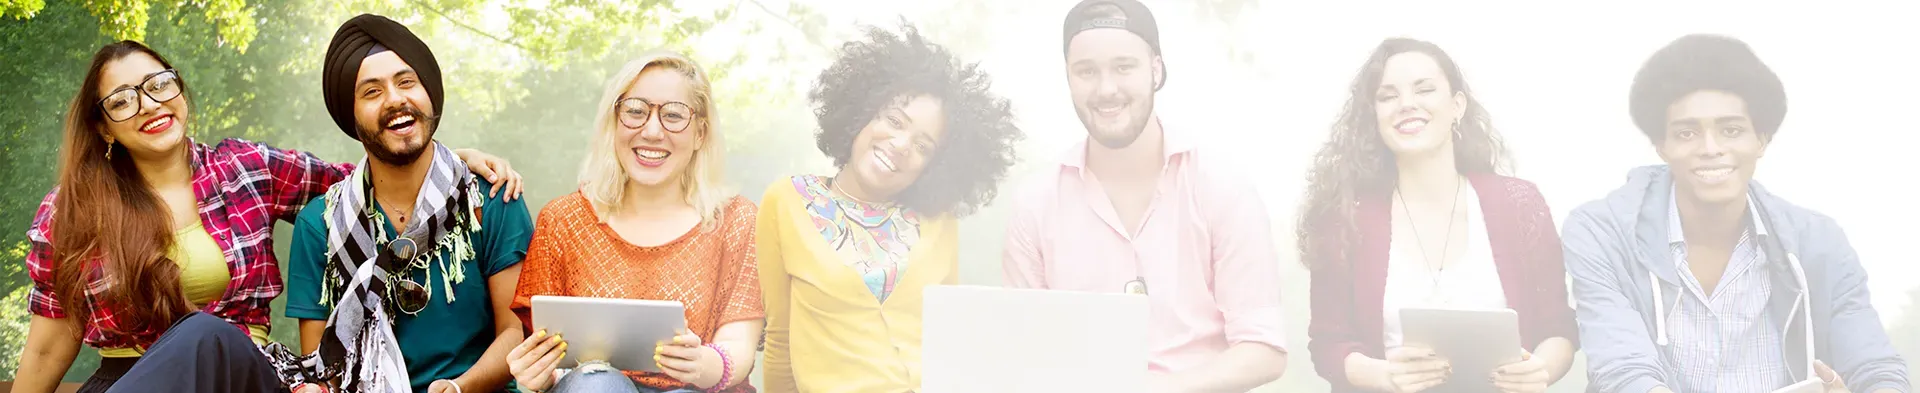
1526	252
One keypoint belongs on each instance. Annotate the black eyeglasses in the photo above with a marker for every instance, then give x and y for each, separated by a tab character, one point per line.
635	113
122	103
412	297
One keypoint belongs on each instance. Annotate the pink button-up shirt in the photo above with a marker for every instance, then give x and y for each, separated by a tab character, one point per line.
1204	249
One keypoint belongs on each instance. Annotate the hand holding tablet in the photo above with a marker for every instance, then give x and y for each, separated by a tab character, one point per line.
622	332
1483	346
683	358
1527	375
1415	368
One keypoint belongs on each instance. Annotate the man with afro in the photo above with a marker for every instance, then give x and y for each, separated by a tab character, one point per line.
1692	277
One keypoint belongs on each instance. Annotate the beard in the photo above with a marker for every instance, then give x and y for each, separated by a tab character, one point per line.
1117	136
399	153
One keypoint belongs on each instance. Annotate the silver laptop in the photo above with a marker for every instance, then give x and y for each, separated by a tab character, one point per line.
987	339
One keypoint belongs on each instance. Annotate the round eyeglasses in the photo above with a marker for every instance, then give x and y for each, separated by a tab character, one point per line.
122	103
635	112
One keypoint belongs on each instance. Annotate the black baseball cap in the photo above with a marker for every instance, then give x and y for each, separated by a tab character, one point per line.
1138	20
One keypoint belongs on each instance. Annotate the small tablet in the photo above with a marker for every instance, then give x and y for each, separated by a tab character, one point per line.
1475	342
621	332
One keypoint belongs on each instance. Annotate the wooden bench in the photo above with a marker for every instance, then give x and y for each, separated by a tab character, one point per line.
7	386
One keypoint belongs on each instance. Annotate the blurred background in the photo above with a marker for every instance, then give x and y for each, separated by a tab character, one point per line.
1262	79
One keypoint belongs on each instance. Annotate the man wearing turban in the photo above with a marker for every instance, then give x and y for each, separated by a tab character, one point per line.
401	275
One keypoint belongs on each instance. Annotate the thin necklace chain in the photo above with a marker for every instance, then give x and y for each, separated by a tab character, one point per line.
1445	246
833	184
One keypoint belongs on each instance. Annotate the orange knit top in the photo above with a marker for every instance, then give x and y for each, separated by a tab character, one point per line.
710	269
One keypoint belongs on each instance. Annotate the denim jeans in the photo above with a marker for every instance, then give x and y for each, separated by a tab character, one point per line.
593	378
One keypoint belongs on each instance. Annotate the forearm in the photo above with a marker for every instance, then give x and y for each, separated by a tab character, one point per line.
1558	354
777	377
41	371
736	366
1366	373
739	340
51	345
490	373
1242	367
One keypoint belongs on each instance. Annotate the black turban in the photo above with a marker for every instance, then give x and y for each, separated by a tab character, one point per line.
352	43
1706	62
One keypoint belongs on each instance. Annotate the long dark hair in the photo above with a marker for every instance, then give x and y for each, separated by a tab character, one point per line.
1355	162
106	212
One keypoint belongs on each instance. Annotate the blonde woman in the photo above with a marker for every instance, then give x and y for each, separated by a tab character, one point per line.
650	221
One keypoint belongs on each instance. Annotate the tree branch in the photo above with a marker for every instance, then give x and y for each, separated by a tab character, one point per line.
463	25
796	27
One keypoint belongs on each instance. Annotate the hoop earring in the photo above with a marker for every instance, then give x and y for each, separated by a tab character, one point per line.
1456	130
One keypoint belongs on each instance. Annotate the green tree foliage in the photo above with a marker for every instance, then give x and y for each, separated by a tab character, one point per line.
21	9
127	19
524	87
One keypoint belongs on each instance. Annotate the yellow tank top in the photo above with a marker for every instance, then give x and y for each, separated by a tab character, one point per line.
203	278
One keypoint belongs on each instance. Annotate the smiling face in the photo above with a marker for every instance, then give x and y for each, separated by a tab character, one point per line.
148	128
1111	74
892	150
658	152
392	110
1711	146
1415	106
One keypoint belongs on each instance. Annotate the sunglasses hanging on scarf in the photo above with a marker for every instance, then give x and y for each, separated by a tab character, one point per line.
403	255
400	259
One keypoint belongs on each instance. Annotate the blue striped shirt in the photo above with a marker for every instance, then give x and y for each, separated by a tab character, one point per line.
1724	341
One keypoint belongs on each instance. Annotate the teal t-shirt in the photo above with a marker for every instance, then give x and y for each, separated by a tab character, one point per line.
445	339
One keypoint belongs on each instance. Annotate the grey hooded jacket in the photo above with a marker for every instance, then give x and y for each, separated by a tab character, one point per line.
1614	245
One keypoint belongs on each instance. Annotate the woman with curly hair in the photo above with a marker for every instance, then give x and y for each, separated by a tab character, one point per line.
1406	207
919	140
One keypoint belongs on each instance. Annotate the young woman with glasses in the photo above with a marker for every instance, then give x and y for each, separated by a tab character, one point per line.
653	221
150	235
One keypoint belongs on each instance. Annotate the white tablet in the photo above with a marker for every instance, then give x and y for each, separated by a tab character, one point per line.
621	332
1031	340
1474	341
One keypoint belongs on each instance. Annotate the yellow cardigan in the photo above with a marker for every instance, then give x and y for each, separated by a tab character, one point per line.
825	331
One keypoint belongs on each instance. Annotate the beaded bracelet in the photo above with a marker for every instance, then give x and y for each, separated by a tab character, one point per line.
726	367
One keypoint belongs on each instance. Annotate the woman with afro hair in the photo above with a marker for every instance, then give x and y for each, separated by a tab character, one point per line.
918	140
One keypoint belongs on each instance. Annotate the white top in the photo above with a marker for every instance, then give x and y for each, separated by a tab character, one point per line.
1473	282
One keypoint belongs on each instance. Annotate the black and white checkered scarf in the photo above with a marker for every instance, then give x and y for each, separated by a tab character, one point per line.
359	348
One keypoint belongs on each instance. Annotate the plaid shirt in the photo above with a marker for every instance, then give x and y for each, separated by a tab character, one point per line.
1724	341
243	187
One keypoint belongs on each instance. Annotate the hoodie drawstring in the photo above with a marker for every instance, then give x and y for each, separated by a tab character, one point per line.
1659	311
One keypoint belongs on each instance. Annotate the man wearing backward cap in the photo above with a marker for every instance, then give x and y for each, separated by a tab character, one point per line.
1138	208
401	275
